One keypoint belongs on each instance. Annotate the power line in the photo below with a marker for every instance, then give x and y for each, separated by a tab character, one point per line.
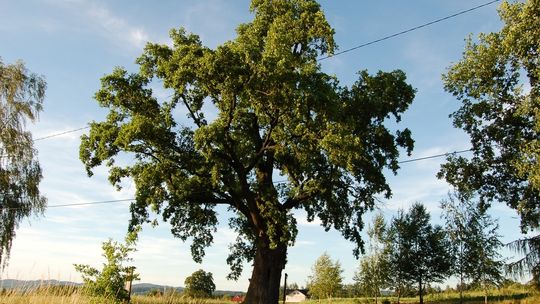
409	30
275	182
92	203
433	156
61	133
54	135
78	204
339	53
411	160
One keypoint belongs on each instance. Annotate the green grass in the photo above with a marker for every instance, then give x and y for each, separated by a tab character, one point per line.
60	295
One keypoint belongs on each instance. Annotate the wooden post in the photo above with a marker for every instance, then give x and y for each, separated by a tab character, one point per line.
129	283
285	289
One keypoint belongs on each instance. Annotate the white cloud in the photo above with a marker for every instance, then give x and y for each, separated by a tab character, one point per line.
100	19
301	219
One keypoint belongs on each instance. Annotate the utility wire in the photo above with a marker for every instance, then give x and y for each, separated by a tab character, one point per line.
433	156
61	133
342	52
409	30
92	203
54	135
78	204
275	182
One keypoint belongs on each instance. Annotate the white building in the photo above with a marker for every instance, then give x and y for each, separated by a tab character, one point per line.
296	296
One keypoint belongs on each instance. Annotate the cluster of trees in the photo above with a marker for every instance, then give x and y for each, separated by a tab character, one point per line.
411	251
408	253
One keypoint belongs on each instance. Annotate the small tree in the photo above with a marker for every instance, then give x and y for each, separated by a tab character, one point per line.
475	242
423	249
373	273
395	246
199	285
110	281
326	280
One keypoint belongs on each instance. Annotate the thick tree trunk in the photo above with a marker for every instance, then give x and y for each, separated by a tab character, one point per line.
265	278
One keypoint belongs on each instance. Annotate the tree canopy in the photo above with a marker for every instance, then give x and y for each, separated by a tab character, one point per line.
474	240
21	99
326	278
276	114
199	284
421	252
497	82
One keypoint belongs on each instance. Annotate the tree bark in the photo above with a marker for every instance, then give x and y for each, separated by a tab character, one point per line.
266	276
420	291
461	286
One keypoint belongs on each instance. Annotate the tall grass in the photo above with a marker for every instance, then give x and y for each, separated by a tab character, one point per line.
53	294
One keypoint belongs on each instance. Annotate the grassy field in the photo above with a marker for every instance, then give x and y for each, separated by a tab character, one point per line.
54	295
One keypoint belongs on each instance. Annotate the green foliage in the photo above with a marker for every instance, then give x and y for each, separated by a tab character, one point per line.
277	113
199	285
372	275
497	83
21	99
326	278
155	292
110	282
419	252
374	271
474	240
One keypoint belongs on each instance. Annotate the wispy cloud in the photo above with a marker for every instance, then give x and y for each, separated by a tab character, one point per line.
102	20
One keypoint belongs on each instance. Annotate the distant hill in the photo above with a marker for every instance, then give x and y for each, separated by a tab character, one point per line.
136	289
22	284
143	288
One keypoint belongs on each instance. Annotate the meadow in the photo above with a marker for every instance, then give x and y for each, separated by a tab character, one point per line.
71	294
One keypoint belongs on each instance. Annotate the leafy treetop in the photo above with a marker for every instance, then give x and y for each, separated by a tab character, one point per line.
277	113
497	82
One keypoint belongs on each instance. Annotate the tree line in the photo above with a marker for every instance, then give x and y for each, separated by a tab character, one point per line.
409	253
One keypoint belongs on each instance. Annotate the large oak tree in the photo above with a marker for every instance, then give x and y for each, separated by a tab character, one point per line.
277	114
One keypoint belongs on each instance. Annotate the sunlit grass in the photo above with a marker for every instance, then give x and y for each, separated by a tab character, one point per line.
54	294
72	294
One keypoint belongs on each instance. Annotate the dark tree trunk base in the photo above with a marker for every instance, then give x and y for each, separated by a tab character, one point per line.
266	276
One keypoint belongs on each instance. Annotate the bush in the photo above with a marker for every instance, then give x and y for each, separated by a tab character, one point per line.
110	281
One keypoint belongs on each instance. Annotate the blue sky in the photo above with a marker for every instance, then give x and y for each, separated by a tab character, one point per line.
75	42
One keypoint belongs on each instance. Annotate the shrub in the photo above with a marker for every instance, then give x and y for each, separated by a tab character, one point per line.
110	281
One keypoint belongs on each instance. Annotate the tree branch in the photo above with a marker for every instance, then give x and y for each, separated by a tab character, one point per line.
196	119
293	202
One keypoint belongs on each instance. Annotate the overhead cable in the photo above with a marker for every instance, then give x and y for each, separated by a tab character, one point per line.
408	30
